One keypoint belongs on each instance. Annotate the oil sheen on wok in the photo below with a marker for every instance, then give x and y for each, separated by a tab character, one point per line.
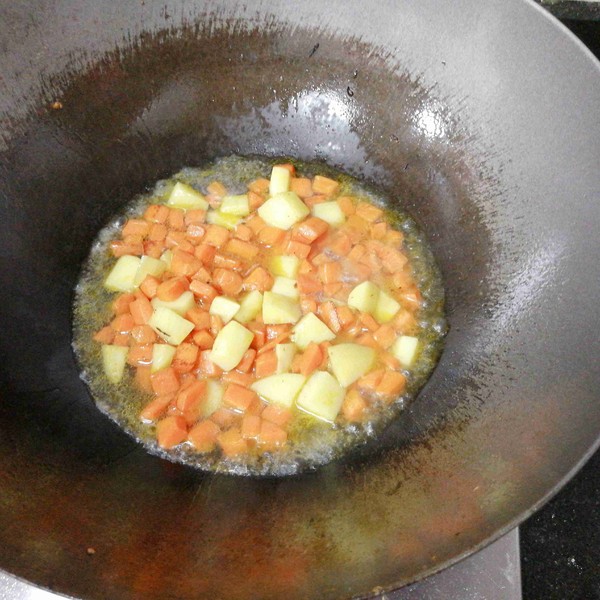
258	317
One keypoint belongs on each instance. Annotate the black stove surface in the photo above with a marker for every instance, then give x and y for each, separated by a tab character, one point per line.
560	544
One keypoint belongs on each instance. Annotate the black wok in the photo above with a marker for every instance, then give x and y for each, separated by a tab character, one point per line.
479	117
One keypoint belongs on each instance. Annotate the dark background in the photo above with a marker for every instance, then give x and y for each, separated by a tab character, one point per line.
560	545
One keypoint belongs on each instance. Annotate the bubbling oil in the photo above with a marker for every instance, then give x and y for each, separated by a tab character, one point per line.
311	443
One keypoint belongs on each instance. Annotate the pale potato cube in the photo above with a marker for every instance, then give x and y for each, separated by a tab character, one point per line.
311	329
278	309
170	326
329	212
350	362
405	349
224	307
364	297
283	210
167	257
250	306
235	205
230	345
285	355
180	305
185	196
149	266
216	217
114	359
286	287
386	308
285	265
321	396
281	389
280	180
162	356
213	398
122	276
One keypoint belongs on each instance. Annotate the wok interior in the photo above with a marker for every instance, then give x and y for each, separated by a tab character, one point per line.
496	427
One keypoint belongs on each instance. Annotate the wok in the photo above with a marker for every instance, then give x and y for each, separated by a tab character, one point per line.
478	117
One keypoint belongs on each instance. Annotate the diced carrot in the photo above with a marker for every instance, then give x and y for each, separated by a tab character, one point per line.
216	188
250	426
122	323
259	279
121	303
302	186
330	272
205	253
371	380
356	227
178	239
390	361
185	358
223	417
309	284
305	267
245	250
136	227
357	252
271	345
368	212
272	436
297	249
325	352
156	407
367	339
158	232
255	200
346	203
171	289
195	232
243	379
105	335
207	366
184	263
247	361
202	274
143	334
315	199
277	414
328	313
171	431
340	244
405	322
368	321
345	316
360	272
411	298
270	236
265	364
216	236
165	381
379	230
311	359
372	261
260	186
142	378
203	339
216	324
309	230
203	436
194	216
308	305
320	258
394	237
149	286
393	259
119	248
276	331
200	318
176	219
229	282
385	336
157	213
355	329
336	290
190	399
232	443
392	383
228	262
153	249
325	185
121	339
132	240
260	334
255	223
204	290
353	407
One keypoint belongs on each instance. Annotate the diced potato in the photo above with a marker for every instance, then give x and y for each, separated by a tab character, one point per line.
278	309
114	359
216	217
230	345
386	308
167	257
329	212
250	306
162	356
405	349
235	205
280	180
280	389
286	287
224	307
213	398
283	210
122	276
349	362
170	326
185	196
311	329
321	396
285	265
180	305
364	297
285	355
149	266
